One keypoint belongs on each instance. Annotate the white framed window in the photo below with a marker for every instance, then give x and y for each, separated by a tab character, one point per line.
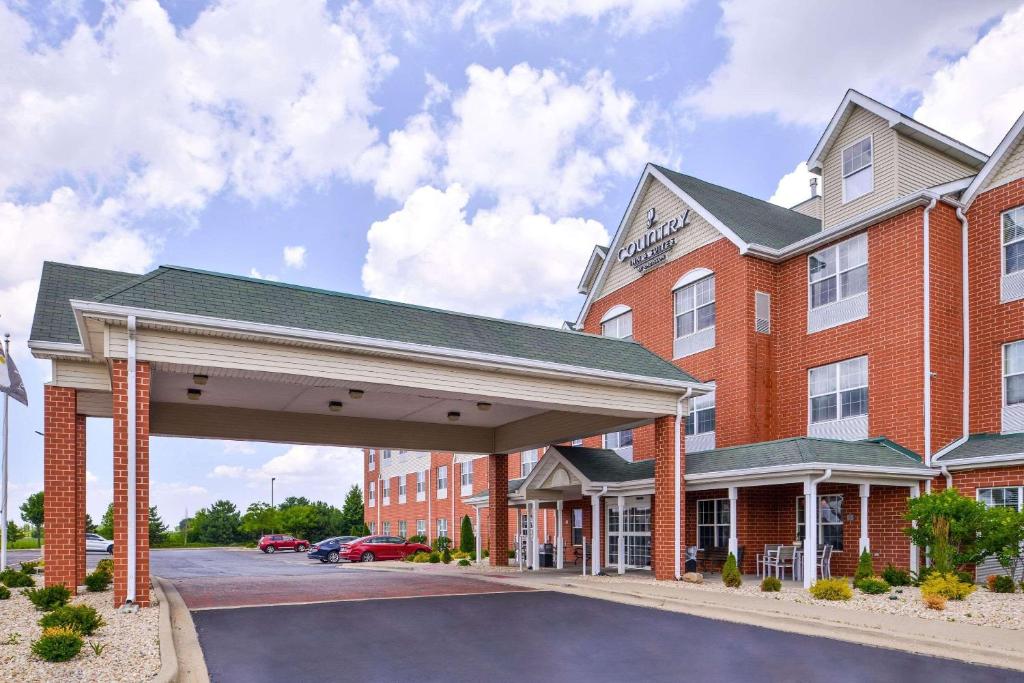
421	527
695	307
385	528
385	491
621	443
403	528
577	526
385	457
858	169
373	527
442	481
577	442
713	523
762	312
839	391
838	272
466	476
372	493
527	461
830	520
620	326
1003	497
371	456
421	485
1013	387
402	488
1013	241
442	527
635	528
701	419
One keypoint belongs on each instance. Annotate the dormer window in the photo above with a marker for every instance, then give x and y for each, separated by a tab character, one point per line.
618	323
858	170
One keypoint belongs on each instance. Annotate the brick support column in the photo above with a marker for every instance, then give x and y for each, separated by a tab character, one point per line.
80	497
119	382
497	477
64	543
663	538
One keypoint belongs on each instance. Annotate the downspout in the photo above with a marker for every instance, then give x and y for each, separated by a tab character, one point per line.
928	336
949	477
678	481
429	492
132	474
595	530
451	478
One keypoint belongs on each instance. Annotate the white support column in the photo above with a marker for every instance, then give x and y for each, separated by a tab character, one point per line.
915	491
810	567
733	539
479	538
595	529
621	505
534	548
865	494
559	549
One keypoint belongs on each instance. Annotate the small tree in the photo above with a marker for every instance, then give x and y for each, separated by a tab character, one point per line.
966	520
217	524
865	569
13	532
352	513
467	541
940	546
32	513
1005	538
259	519
90	526
106	527
731	573
157	528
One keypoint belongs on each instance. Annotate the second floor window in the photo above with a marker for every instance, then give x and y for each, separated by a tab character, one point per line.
385	489
401	486
527	462
442	477
1013	373
839	272
372	459
858	170
617	440
421	478
373	492
1013	241
467	473
385	456
701	419
840	390
695	307
620	327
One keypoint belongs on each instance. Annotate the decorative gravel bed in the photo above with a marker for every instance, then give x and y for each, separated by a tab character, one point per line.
131	643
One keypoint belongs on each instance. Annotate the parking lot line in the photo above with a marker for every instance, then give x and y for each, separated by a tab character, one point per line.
373	599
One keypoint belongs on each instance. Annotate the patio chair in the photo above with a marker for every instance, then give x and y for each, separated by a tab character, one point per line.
825	562
781	561
762	558
577	554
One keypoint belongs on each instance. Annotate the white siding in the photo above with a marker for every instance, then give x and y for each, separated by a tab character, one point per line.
859	124
94	376
1011	168
849	429
921	167
810	207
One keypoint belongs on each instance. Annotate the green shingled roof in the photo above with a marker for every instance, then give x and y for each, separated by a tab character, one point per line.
605	465
189	291
755	221
985	445
803	450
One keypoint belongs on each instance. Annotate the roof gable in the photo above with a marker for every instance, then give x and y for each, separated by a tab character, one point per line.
1009	147
54	321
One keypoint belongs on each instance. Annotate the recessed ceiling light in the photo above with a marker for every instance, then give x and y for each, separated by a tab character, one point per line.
335	406
200	379
356	393
454	416
194	394
483	405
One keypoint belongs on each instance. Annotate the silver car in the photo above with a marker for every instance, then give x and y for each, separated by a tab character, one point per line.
94	543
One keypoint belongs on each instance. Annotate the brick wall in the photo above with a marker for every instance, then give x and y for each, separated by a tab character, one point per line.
970	481
947	324
497	529
663	505
80	497
64	550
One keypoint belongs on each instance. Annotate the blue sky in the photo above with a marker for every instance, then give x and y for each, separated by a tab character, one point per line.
465	155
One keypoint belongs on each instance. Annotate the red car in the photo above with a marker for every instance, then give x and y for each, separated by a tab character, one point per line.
271	543
373	548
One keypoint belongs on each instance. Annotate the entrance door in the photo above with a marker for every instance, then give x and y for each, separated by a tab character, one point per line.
635	529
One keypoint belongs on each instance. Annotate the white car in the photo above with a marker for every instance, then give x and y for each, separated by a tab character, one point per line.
94	543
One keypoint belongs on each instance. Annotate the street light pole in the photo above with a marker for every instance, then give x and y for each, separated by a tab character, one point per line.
272	480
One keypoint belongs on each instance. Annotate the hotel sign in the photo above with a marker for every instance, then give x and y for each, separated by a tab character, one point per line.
651	248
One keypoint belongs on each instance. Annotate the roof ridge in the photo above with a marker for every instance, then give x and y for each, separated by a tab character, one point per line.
402	304
93	269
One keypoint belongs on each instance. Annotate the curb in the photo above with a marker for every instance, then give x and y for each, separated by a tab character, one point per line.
182	652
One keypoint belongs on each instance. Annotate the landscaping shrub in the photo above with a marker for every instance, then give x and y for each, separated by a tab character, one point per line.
872	585
29	568
472	556
966	577
83	618
464	562
446	556
51	597
460	555
771	584
831	589
418	538
1002	584
731	573
865	570
435	557
441	543
467	540
936	602
5	592
487	552
97	581
58	644
897	577
105	565
947	585
15	579
421	557
511	554
922	575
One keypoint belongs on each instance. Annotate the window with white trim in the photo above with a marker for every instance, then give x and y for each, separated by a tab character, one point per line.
713	523
466	476
442	527
577	526
421	527
385	457
421	483
1013	240
403	528
620	327
385	491
527	461
373	527
1003	497
695	307
386	528
371	460
1013	373
621	443
442	477
402	487
839	272
701	419
858	169
839	391
373	493
830	520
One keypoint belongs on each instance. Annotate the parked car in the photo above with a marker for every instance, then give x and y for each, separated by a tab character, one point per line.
94	543
271	543
373	548
327	549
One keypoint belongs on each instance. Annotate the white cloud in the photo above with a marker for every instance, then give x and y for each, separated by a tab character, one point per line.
174	498
409	156
321	472
260	276
989	79
90	477
625	16
794	187
239	447
295	257
795	60
510	259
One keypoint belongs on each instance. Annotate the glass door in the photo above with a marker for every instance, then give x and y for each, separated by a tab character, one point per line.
635	527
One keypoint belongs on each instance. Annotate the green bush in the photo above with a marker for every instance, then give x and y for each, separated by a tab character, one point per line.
58	644
865	569
771	584
83	618
418	538
15	579
105	565
487	552
421	557
49	598
97	581
731	573
948	586
467	540
872	585
29	568
831	589
435	557
966	577
511	554
922	575
460	555
1003	584
464	562
472	556
897	577
5	592
446	556
441	543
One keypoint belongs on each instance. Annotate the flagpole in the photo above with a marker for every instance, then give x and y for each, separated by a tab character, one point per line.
3	477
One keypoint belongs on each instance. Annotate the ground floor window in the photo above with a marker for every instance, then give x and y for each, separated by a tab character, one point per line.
577	526
442	527
713	523
830	520
386	528
373	527
634	527
403	529
421	527
1002	497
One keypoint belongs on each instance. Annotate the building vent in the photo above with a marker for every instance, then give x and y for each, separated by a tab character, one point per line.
762	312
